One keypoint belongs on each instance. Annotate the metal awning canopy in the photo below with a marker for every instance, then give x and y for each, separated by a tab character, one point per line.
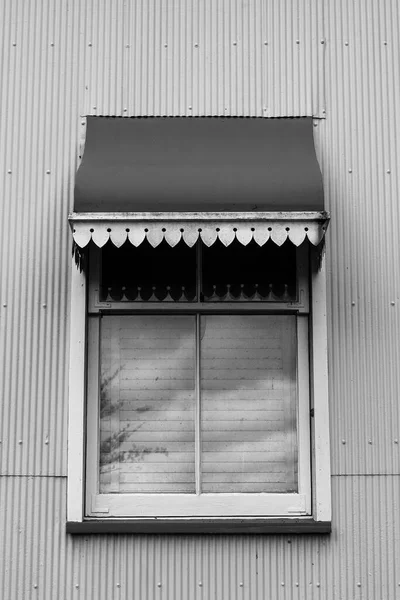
189	178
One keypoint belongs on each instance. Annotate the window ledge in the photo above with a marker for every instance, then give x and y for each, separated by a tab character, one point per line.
213	526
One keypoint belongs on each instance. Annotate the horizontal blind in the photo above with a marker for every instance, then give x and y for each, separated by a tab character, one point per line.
147	404
248	403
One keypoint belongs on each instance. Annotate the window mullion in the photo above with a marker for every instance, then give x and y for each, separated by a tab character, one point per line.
198	409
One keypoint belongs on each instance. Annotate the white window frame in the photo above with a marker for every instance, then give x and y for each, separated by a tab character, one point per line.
311	504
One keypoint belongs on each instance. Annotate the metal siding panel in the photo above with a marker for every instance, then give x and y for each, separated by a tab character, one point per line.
38	164
359	560
204	58
359	154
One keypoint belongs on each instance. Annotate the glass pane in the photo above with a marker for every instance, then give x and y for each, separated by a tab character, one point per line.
147	274
248	403
251	273
147	404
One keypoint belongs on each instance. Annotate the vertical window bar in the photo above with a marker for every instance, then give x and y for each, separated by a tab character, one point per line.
199	267
198	407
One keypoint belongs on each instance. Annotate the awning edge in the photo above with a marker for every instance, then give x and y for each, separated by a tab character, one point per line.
189	227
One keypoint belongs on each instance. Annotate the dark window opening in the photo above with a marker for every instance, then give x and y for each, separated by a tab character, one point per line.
148	274
235	273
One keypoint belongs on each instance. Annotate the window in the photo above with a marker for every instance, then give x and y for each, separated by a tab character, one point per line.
198	399
198	369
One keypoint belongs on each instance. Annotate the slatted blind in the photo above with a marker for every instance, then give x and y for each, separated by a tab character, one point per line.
147	404
247	403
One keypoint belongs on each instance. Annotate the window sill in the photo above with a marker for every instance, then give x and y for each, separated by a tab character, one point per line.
213	526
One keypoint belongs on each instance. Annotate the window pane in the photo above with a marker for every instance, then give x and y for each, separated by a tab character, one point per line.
248	406
145	273
249	273
147	404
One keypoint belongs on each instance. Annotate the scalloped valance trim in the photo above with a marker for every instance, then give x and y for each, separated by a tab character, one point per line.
189	227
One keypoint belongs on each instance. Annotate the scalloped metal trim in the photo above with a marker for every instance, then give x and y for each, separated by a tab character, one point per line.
277	227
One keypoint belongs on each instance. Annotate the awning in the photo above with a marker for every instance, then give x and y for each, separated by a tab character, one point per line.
209	177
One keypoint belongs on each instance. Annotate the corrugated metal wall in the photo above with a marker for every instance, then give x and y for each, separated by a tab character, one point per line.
234	57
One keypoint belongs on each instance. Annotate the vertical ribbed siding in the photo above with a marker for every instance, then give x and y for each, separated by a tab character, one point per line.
203	58
38	124
50	77
359	147
358	561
